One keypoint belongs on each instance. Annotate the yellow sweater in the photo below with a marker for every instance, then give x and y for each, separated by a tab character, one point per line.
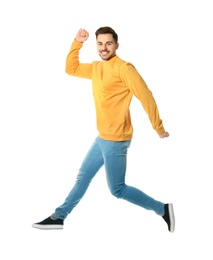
114	82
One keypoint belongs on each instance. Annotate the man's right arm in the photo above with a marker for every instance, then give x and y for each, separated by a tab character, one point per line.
73	66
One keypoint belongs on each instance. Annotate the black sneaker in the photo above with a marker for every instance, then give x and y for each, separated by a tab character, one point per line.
49	223
169	217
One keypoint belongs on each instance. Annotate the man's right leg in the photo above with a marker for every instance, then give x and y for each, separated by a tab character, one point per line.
90	166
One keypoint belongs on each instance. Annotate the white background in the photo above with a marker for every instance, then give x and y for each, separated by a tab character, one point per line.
47	124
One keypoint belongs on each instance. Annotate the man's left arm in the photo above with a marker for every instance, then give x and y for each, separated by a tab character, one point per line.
134	81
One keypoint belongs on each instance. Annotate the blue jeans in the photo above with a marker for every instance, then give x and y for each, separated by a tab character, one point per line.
113	155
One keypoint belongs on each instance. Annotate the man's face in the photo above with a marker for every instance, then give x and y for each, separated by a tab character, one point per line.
106	46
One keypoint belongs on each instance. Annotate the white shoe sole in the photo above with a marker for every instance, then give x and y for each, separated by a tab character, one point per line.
171	217
47	227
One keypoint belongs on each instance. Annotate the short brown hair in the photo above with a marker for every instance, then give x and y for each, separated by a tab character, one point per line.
105	30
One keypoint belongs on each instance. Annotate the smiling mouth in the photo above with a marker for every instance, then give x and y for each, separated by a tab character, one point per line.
104	52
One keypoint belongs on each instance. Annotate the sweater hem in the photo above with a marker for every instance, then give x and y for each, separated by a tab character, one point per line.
115	138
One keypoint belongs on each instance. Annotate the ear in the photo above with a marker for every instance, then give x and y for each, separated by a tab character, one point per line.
117	45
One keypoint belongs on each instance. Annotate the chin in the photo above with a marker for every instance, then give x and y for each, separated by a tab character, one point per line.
106	58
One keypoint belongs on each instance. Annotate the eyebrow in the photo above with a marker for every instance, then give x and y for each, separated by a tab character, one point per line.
106	42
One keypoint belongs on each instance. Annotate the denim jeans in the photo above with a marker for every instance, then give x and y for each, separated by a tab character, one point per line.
113	155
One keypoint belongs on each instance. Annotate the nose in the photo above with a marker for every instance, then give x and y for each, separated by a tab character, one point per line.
104	47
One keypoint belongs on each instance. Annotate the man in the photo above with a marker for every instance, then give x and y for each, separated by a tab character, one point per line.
114	82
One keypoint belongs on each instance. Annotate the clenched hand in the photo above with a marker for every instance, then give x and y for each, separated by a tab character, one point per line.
82	35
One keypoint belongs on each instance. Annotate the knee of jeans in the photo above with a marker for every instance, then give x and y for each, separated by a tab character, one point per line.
82	178
79	177
117	191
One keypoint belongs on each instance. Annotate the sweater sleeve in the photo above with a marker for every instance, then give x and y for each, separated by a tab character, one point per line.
73	66
133	80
